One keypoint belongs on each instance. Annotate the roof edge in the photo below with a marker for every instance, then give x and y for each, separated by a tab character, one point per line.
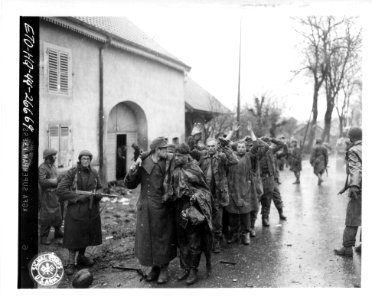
104	37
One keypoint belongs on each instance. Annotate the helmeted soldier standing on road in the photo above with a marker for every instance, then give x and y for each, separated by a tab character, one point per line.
268	173
155	243
295	160
354	185
50	209
319	160
215	165
83	220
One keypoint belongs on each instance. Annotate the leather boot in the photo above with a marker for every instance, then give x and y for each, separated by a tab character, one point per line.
58	234
245	239
45	241
163	276
183	274
252	232
69	269
281	216
233	238
265	221
85	261
193	277
154	274
344	251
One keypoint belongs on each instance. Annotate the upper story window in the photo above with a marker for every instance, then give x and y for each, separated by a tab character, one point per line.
58	62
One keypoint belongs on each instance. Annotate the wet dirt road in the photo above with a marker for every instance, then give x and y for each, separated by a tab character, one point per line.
293	253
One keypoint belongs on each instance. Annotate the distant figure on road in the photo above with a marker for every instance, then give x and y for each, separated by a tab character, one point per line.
296	161
319	160
354	185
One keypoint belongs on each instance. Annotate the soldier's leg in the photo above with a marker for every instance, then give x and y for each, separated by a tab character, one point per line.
265	207
84	260
349	236
348	242
278	202
217	229
253	218
70	267
184	250
195	244
234	228
245	226
44	233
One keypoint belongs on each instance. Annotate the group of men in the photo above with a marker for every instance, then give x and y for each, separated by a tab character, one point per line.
190	194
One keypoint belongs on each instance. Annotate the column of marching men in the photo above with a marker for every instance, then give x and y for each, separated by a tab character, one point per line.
189	193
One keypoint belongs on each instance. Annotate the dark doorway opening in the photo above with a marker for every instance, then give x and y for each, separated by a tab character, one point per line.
121	156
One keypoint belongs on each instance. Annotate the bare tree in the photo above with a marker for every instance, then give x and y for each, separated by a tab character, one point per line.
314	34
342	52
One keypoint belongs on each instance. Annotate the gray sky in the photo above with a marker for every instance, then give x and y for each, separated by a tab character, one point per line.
207	38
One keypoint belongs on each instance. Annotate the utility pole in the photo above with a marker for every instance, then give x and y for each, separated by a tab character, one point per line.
240	49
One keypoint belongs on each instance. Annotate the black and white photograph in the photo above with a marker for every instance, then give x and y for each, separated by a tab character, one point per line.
186	145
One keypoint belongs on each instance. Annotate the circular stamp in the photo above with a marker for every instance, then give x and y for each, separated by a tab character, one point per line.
47	269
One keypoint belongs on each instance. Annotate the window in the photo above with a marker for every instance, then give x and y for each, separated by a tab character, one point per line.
58	62
59	139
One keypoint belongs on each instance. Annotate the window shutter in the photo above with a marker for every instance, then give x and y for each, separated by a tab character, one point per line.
52	70
54	137
64	71
64	146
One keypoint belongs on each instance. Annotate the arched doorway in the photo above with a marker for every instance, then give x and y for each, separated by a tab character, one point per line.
126	125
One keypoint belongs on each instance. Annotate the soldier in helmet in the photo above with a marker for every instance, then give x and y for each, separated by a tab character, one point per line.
82	221
354	185
50	209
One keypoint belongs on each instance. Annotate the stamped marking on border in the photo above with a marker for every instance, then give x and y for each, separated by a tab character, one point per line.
47	269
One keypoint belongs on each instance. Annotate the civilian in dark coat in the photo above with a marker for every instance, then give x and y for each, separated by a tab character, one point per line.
82	221
50	209
155	243
354	185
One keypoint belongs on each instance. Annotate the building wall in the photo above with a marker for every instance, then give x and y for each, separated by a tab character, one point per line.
80	108
156	89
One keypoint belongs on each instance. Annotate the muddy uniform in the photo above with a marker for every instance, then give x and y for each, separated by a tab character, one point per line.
50	209
215	170
186	182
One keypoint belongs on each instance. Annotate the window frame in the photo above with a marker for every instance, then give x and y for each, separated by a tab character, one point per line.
59	73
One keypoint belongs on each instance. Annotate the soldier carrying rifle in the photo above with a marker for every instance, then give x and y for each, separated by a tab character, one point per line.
83	221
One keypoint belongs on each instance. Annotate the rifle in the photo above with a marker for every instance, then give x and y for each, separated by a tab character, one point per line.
94	193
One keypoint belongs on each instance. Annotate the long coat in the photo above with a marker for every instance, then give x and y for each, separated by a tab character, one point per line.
50	209
82	224
155	242
319	159
354	170
242	187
